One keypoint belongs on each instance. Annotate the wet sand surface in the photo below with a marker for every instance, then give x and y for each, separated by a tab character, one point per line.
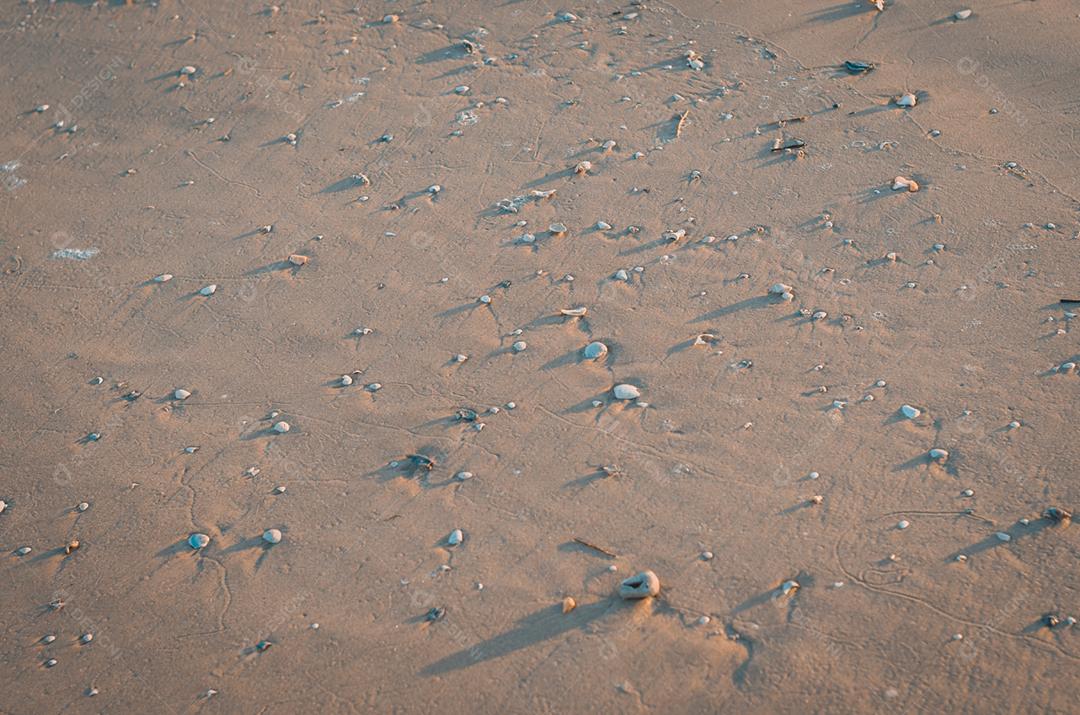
768	444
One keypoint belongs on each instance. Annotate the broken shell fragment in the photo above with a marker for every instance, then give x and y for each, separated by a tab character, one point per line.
568	604
938	455
789	587
557	229
574	312
642	585
625	391
1058	515
298	260
583	167
674	236
900	183
595	350
272	536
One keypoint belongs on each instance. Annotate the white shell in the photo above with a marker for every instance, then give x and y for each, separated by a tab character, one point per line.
163	278
181	394
1002	536
86	637
938	454
3	506
281	427
603	225
595	350
780	289
962	14
910	412
519	346
904	523
906	100
624	391
208	290
346	380
83	506
23	550
622	275
463	476
642	585
198	541
272	536
455	537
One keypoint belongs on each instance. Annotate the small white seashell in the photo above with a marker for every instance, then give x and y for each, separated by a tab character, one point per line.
780	289
281	427
622	275
461	89
485	299
962	14
181	394
625	391
967	493
557	229
519	346
574	312
595	350
198	541
48	639
373	387
41	108
906	100
789	587
3	506
23	550
272	536
83	506
208	290
279	489
298	260
603	225
346	380
1002	536
50	662
819	315
583	167
455	537
86	638
163	278
938	455
904	523
187	71
1067	367
463	476
910	412
706	556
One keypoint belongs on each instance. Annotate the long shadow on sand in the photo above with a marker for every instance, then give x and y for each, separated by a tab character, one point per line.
541	626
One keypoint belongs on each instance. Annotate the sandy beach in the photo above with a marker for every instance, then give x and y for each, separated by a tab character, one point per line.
356	354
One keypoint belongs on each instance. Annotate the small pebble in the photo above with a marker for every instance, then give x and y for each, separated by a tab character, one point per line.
595	350
642	585
568	604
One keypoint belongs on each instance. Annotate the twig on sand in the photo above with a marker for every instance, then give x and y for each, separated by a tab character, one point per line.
594	547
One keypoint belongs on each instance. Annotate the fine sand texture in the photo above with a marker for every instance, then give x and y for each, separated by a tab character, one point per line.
364	223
